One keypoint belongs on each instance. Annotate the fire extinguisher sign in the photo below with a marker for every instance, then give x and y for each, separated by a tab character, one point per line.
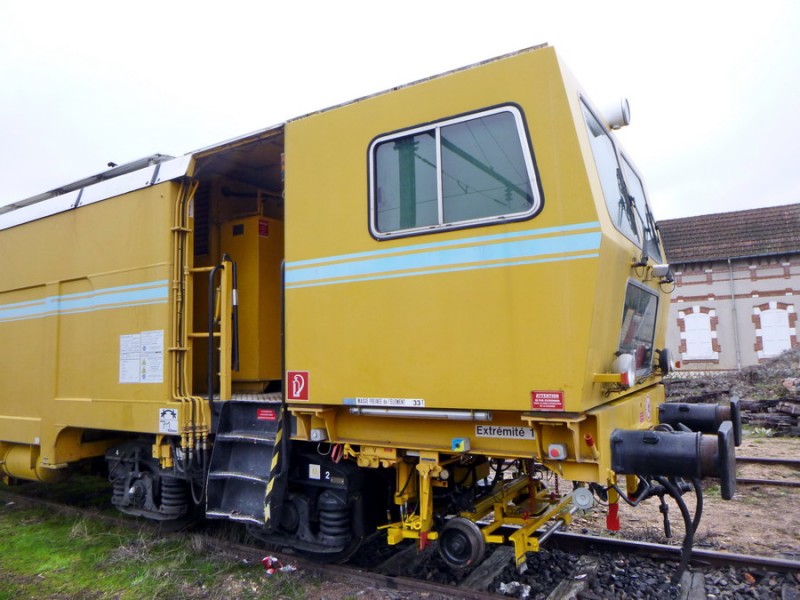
297	385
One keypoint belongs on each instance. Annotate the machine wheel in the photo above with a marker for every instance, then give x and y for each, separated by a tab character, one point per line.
461	543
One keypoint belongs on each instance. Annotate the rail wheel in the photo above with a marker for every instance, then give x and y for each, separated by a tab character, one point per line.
461	543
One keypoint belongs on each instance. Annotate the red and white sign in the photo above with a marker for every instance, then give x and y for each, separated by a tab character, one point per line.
263	228
547	400
297	384
266	414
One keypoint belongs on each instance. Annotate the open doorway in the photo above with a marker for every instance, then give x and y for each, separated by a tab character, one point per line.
238	214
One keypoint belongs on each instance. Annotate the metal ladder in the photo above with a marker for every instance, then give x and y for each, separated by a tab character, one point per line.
244	482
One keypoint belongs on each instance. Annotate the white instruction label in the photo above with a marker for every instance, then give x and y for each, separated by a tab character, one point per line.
387	402
141	357
167	420
314	471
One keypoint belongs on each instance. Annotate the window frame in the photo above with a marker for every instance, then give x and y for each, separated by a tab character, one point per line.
632	236
643	217
436	126
707	354
646	368
651	236
784	328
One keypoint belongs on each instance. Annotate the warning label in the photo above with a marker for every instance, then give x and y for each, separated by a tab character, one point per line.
266	414
168	420
547	400
141	357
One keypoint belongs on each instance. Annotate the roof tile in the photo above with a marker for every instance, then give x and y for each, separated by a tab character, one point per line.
743	233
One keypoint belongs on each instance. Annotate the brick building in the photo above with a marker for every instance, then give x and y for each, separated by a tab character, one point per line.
737	286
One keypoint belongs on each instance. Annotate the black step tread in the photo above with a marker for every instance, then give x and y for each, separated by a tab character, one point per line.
268	398
241	475
244	435
235	516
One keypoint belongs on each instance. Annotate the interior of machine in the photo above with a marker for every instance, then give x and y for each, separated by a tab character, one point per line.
238	214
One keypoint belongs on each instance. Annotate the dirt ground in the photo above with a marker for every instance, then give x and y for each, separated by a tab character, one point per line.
760	520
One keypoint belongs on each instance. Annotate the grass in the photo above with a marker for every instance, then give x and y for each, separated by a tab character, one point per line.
56	556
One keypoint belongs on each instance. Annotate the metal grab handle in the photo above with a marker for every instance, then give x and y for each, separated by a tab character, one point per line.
216	306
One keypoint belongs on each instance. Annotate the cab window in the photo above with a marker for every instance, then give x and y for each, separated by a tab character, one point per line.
458	172
623	190
638	330
621	206
644	218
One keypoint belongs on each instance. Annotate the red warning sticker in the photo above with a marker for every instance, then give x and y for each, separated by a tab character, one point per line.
266	414
547	400
263	228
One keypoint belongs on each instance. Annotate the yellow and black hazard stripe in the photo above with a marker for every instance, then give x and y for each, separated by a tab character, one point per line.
274	474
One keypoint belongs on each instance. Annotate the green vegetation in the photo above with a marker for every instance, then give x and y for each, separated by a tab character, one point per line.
46	554
761	432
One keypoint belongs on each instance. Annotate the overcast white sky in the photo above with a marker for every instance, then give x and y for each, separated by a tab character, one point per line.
714	86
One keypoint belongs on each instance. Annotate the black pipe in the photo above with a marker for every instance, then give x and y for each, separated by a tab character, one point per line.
211	303
698	511
688	539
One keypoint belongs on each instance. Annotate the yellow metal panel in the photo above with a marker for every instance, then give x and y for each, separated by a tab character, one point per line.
77	291
255	244
446	339
326	152
478	334
407	318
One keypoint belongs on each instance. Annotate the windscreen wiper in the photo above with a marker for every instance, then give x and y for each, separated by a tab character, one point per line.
627	202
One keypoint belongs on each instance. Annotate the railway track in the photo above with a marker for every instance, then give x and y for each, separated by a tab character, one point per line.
580	543
766	460
587	555
570	564
790	463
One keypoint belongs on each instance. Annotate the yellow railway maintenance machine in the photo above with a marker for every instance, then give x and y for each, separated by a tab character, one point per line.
402	312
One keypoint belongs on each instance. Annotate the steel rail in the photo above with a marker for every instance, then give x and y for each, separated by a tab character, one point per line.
768	460
775	482
576	542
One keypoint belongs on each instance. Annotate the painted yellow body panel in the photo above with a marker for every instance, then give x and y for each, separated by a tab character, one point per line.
256	244
74	285
460	335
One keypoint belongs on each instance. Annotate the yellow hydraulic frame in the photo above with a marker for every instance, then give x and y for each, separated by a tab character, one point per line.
195	410
526	518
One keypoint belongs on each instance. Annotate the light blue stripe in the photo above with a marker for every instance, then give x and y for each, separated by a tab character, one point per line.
119	288
430	246
154	292
500	254
450	270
